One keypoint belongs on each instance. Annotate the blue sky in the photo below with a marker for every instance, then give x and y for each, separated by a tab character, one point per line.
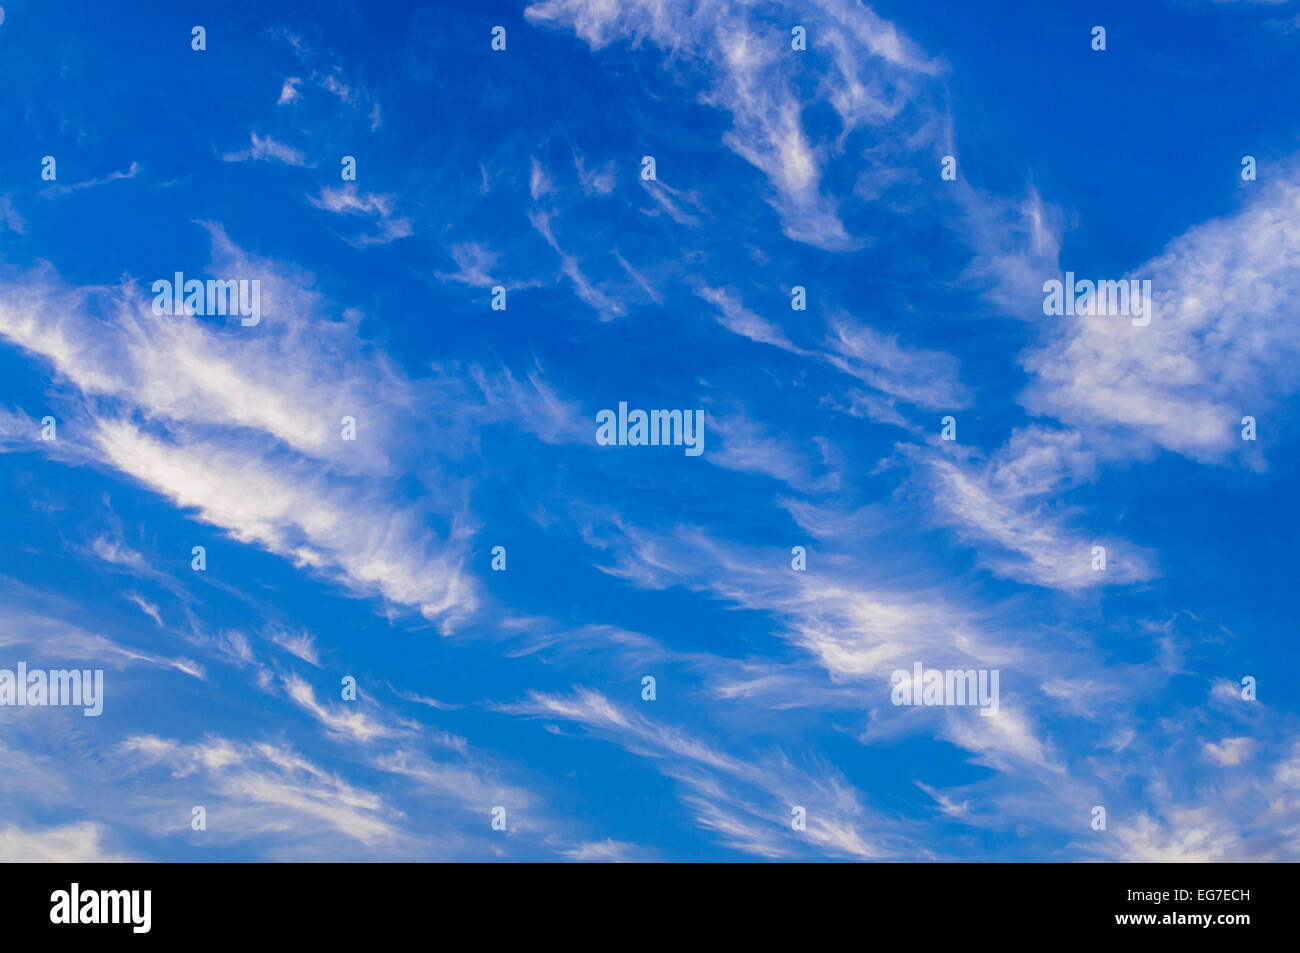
475	428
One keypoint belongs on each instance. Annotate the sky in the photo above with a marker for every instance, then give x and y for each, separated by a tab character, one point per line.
463	257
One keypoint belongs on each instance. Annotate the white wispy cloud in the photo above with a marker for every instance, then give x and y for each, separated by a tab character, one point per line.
349	719
745	802
118	553
267	790
752	76
309	519
607	306
148	608
669	201
30	621
9	216
599	181
300	644
605	851
927	379
1018	534
266	149
475	263
539	182
227	411
132	171
324	72
1220	344
924	378
289	91
745	446
82	842
1229	752
854	632
348	200
735	317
